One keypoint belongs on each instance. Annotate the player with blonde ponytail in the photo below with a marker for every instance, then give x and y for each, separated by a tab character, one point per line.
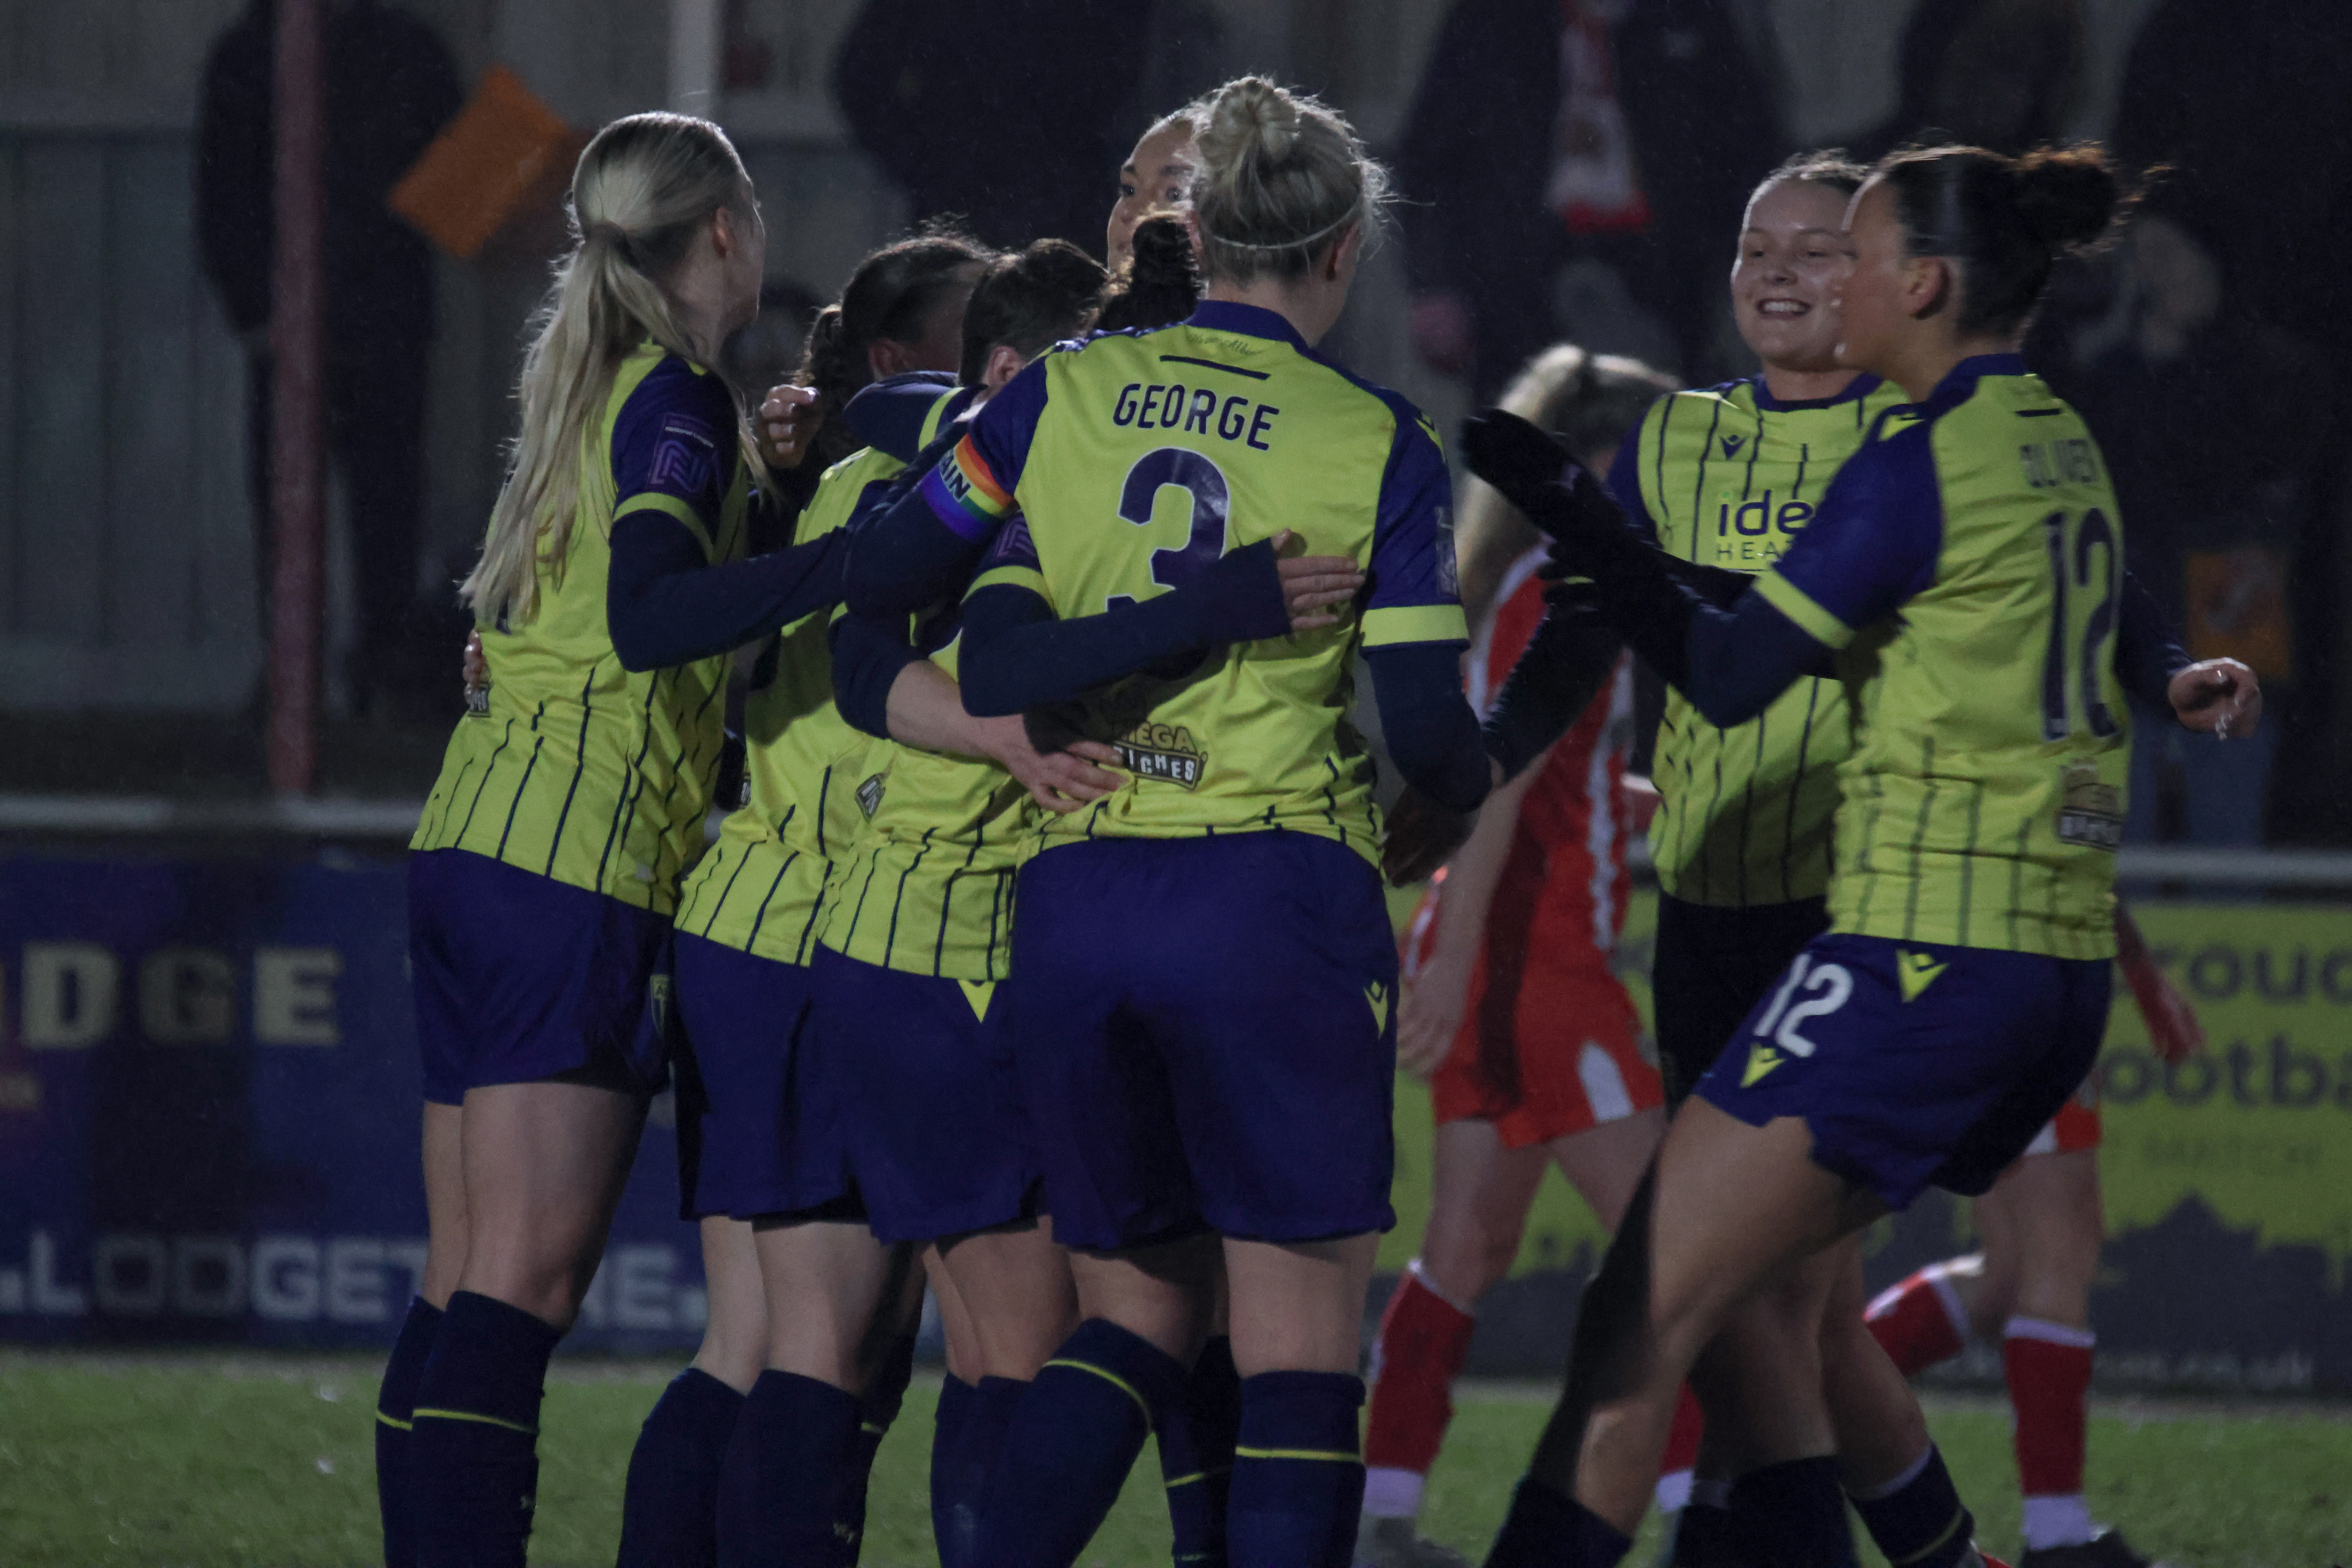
610	587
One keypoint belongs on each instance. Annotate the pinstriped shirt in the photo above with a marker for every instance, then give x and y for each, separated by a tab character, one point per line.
1729	477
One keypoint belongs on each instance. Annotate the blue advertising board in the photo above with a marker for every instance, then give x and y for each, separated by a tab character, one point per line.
209	1115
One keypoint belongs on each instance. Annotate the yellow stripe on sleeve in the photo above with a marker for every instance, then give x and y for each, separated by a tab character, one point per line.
1792	601
670	505
1334	1455
1415	623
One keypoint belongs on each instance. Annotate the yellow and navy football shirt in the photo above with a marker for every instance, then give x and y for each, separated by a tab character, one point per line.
573	767
1137	459
1969	562
926	884
1729	477
762	887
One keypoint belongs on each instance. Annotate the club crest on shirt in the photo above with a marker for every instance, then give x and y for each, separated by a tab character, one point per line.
869	795
477	701
1164	752
2090	813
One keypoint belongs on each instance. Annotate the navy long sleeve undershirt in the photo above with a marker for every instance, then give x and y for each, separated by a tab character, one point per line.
666	605
1432	735
868	653
1017	656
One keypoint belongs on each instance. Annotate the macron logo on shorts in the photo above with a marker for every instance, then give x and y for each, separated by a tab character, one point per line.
1916	971
1761	1059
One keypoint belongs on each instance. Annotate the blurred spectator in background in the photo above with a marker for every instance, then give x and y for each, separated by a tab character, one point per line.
2003	74
2209	422
391	86
1565	169
2244	100
1009	113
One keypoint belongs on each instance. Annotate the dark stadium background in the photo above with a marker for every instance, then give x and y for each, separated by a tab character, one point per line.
207	1091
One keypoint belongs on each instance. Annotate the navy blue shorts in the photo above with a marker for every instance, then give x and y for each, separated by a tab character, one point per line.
1207	1038
519	978
759	1133
1915	1064
931	1118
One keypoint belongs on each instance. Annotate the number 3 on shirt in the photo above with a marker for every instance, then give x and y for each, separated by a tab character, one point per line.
1204	483
2083	554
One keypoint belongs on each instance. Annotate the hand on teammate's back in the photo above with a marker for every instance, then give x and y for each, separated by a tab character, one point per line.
1422	836
1313	586
476	666
789	420
2219	696
1058	777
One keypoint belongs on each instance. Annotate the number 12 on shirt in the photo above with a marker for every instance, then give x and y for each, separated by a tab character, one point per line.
2086	575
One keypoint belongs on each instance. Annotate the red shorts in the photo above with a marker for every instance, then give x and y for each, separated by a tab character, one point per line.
2076	1128
1561	1054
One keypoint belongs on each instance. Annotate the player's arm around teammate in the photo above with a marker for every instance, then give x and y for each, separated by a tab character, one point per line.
570	803
1219	918
748	1146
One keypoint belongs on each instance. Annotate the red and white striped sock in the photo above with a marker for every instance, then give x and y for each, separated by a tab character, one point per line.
1921	1319
2049	1370
1425	1339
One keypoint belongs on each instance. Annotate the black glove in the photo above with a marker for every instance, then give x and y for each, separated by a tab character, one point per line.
1718	585
1557	494
1515	456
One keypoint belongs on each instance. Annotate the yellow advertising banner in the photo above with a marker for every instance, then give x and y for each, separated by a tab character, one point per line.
2258	1129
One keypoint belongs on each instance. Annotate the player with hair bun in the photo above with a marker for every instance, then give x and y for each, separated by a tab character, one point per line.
570	804
1207	1072
742	947
1960	993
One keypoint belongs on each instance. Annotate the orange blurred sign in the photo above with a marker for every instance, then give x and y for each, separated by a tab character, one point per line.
503	148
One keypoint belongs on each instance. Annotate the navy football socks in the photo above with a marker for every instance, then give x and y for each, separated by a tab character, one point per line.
395	1405
885	1392
786	1470
1919	1520
950	1531
670	1509
1298	1471
473	1449
963	1456
1704	1537
1196	1456
1071	1444
1792	1515
1548	1530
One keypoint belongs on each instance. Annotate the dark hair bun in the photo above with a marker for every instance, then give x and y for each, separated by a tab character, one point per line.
2067	197
1161	284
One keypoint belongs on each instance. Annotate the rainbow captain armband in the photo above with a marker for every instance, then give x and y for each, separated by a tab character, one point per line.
965	495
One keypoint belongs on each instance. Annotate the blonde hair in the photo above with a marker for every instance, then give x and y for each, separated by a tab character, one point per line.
643	190
1587	400
1282	177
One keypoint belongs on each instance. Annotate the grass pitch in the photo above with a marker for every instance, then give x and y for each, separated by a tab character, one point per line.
206	1462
